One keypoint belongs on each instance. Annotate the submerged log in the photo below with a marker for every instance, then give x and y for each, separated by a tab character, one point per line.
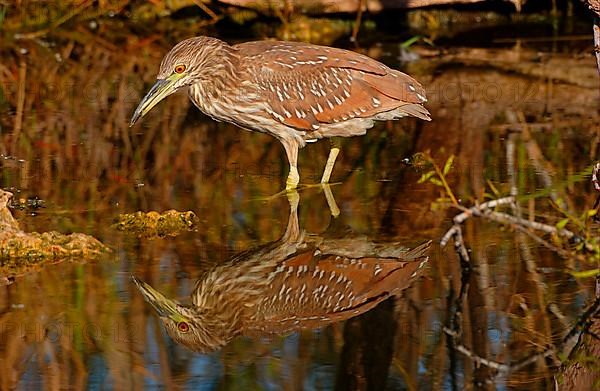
21	252
345	6
567	69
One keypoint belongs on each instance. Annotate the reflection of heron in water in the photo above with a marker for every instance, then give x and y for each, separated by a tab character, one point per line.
300	281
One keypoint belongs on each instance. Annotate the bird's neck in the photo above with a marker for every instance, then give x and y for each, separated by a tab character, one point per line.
217	84
220	70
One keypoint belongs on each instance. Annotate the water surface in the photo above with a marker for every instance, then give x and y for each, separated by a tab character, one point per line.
83	324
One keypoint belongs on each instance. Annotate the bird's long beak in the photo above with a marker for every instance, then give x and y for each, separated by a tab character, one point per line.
160	90
165	307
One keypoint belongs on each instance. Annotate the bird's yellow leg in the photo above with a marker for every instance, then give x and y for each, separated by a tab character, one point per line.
333	208
333	154
293	179
291	150
294	199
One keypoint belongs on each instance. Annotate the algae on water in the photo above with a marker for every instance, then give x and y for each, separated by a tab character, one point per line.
151	224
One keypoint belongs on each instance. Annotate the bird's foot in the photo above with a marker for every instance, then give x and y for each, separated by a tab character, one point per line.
275	196
292	196
319	185
326	187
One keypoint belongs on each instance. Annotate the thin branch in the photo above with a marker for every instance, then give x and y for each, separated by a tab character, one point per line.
596	184
18	125
597	40
505	218
484	211
358	21
597	187
449	234
595	181
476	210
461	249
206	10
63	19
581	326
478	360
562	253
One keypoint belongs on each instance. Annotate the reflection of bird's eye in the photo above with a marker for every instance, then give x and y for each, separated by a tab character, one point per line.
183	327
180	68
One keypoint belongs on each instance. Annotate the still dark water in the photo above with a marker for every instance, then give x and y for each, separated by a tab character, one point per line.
521	119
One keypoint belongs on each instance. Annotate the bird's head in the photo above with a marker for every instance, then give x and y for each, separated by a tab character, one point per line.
191	61
185	324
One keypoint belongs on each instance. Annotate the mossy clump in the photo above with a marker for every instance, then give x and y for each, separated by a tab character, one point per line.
151	224
21	247
21	251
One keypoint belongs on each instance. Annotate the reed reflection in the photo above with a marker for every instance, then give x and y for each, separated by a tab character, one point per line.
301	281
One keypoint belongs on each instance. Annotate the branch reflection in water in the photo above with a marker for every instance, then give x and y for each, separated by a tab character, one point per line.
301	281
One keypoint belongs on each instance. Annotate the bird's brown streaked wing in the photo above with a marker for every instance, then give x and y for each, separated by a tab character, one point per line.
284	324
307	85
311	287
284	56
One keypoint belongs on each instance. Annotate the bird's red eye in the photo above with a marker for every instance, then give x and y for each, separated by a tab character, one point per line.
183	327
180	68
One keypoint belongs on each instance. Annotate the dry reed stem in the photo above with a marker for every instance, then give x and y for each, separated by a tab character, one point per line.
207	10
596	185
595	181
58	22
20	103
361	6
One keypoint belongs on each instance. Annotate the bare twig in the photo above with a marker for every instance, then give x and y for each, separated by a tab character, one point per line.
461	249
509	219
597	41
549	229
595	176
358	21
477	210
449	234
543	167
478	360
596	184
456	231
483	210
594	6
20	103
562	253
581	326
510	170
207	10
74	12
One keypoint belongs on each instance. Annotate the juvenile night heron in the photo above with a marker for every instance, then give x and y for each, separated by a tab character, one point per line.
300	281
297	92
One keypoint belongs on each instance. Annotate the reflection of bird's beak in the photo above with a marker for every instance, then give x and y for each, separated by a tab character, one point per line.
160	90
166	308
